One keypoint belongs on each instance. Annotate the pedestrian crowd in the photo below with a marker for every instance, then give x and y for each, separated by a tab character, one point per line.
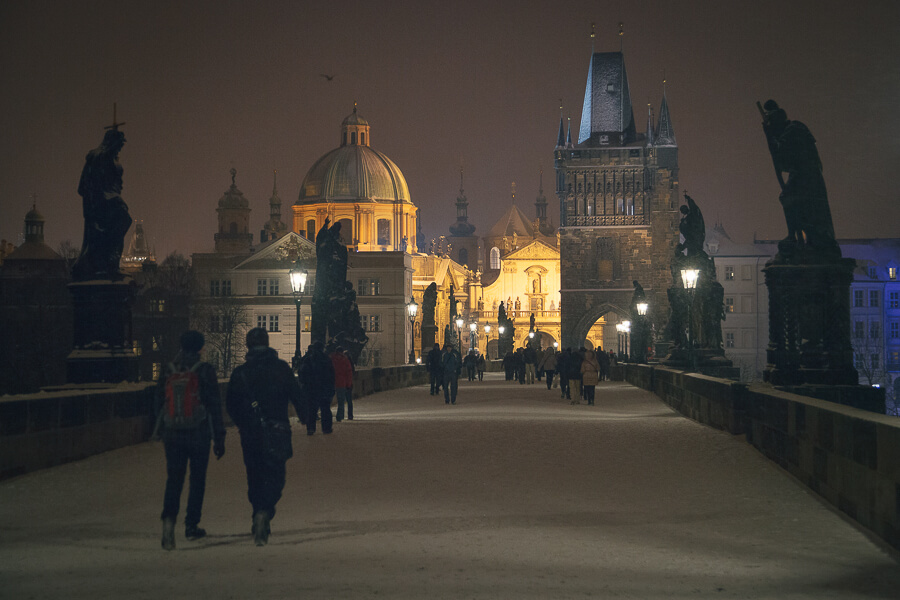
189	410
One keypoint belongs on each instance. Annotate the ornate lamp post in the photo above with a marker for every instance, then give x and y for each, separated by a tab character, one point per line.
459	324
298	284
626	335
640	355
487	339
411	309
473	329
689	279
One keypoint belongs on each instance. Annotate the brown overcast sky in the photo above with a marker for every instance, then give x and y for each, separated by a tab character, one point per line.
205	86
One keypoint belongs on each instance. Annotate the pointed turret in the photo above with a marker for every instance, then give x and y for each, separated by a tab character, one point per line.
665	133
650	133
569	143
561	139
274	228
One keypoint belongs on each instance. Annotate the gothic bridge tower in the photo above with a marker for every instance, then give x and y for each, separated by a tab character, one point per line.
618	198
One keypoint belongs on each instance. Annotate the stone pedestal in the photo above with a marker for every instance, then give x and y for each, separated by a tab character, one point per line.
809	324
429	333
103	349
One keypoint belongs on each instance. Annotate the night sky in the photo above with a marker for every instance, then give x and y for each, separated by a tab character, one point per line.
204	86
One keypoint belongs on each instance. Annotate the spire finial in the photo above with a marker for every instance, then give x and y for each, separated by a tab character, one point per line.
233	173
664	82
541	184
513	190
115	124
354	107
274	182
460	178
34	201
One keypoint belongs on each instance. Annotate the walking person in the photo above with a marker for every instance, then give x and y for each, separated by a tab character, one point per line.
548	366
529	357
343	383
469	363
480	365
433	364
562	367
257	402
509	365
538	359
452	367
519	358
573	368
317	385
190	417
590	375
603	359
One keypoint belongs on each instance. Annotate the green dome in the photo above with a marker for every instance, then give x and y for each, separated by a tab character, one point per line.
354	173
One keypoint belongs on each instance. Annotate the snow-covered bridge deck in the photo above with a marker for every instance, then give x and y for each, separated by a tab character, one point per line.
512	493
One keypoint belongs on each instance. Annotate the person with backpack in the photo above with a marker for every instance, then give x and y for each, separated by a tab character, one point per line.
257	401
190	417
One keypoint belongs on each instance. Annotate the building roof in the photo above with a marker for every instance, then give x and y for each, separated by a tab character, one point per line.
233	197
513	221
607	99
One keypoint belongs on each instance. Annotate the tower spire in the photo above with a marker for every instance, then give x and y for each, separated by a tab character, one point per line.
665	133
650	136
569	135
561	137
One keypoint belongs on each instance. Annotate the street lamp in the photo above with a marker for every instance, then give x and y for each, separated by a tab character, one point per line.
473	328
641	330
298	284
487	339
459	324
689	279
626	334
411	310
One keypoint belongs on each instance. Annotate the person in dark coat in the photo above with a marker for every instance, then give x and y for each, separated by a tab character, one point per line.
529	356
509	366
469	362
435	369
268	382
562	367
317	386
603	358
480	365
519	358
189	444
452	368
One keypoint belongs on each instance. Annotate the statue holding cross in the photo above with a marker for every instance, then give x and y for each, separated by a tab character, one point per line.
106	218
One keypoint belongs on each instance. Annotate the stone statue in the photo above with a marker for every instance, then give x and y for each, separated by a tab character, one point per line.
638	295
501	313
429	304
531	322
106	218
692	228
335	314
803	197
452	300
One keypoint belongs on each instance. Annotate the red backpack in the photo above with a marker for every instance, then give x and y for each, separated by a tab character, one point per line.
183	409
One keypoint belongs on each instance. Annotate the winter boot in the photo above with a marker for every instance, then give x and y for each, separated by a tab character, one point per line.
192	532
168	534
261	528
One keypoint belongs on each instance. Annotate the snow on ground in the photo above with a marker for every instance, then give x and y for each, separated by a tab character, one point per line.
512	493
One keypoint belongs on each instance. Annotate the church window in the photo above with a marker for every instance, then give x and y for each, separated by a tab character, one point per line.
362	138
311	230
353	137
233	228
384	232
464	256
495	257
347	231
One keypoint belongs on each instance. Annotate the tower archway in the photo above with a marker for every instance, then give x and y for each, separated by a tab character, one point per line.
597	327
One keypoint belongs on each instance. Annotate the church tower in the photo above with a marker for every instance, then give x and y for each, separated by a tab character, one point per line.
463	241
234	235
618	198
274	227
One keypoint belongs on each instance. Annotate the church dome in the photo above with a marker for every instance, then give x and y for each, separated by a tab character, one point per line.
354	172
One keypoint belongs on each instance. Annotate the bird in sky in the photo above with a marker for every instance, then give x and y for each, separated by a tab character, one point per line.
328	77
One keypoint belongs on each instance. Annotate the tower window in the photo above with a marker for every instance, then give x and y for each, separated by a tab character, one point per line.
353	137
362	138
